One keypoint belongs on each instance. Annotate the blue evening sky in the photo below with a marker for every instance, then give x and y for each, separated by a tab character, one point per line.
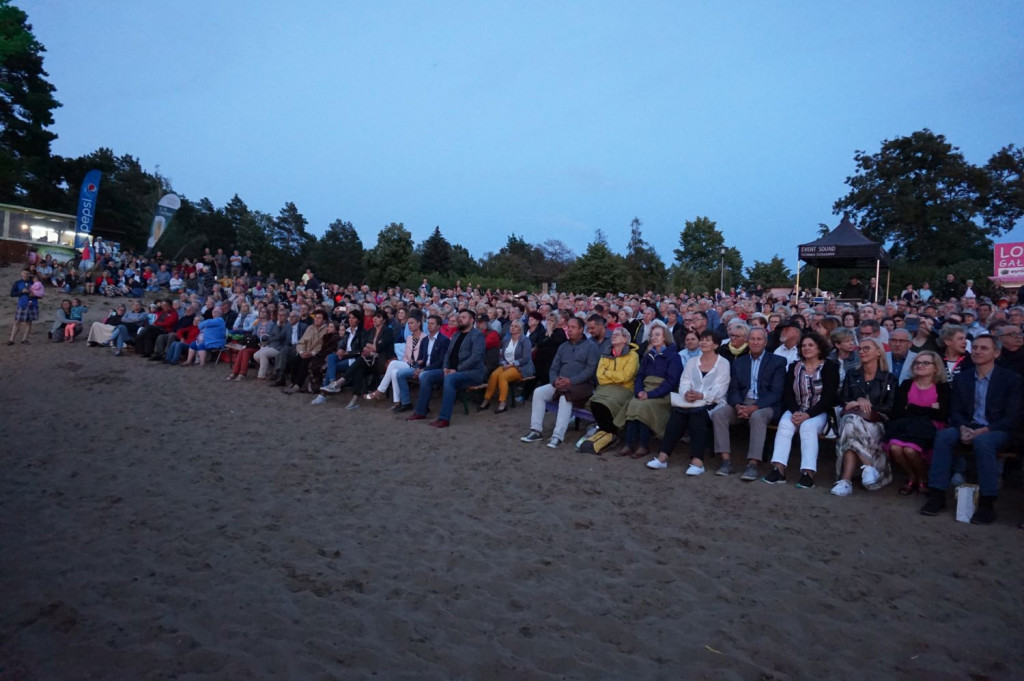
546	119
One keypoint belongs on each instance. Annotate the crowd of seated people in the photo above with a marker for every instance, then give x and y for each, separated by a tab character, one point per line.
912	388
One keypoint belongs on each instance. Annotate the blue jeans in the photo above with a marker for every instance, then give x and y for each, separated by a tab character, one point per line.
174	350
120	336
334	367
986	450
401	381
451	385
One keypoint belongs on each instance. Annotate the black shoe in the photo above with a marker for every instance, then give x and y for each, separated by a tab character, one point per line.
983	516
936	502
402	408
986	512
49	334
805	482
774	477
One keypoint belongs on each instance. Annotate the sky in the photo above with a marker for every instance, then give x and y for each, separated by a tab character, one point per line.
542	119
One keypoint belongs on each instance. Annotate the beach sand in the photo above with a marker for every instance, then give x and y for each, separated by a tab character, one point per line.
160	523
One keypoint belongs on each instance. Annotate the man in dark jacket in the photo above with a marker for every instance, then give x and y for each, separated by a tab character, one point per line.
951	288
293	332
984	407
755	398
463	367
429	357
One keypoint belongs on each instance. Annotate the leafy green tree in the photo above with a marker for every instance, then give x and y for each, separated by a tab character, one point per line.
645	270
598	270
462	263
771	273
392	261
26	111
435	254
254	235
920	195
516	261
290	233
198	225
1005	204
699	257
337	256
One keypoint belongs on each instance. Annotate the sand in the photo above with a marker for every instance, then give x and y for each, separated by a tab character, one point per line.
160	523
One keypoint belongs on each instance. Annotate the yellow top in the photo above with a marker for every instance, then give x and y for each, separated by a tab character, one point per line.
619	370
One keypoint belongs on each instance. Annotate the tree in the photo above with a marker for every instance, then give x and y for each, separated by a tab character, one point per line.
337	256
1005	205
26	111
645	270
462	263
556	258
597	270
516	261
391	261
699	257
198	225
290	233
435	254
920	195
771	273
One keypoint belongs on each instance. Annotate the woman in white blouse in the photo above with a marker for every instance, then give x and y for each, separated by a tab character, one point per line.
704	383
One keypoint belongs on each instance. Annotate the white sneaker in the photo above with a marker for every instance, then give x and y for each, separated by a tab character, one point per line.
553	443
655	464
842	488
331	387
869	475
695	470
319	399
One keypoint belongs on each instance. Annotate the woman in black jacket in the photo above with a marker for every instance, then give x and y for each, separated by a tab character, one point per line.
867	397
378	349
809	396
554	336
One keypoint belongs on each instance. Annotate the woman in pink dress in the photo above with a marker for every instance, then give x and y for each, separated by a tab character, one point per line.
922	406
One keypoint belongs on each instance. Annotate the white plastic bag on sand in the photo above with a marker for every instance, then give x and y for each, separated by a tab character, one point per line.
966	502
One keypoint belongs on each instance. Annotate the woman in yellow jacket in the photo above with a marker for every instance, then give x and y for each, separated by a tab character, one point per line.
616	371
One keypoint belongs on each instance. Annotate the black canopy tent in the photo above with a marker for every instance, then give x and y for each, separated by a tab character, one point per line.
844	247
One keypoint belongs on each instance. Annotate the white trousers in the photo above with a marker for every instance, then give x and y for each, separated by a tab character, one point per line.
543	395
809	431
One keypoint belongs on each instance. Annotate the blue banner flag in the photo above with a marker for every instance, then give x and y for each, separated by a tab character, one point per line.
87	204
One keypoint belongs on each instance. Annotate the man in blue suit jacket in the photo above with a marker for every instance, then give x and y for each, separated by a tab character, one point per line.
463	367
429	357
755	398
984	407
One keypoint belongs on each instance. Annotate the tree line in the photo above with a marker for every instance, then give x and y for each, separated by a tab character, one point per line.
918	195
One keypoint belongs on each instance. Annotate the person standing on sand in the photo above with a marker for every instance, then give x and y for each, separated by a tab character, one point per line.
28	306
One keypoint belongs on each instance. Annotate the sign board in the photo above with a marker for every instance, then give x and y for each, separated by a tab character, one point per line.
817	251
1009	260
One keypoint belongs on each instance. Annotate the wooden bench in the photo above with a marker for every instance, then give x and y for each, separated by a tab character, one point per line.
519	385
